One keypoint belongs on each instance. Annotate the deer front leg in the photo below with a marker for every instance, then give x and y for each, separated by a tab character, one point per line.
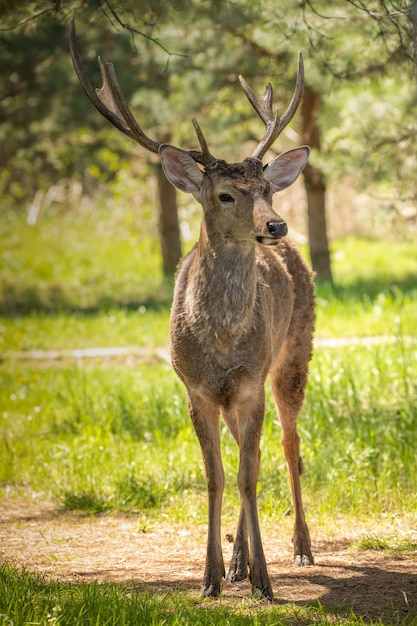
250	422
205	418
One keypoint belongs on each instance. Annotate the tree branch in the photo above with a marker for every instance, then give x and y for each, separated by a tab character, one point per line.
32	17
105	4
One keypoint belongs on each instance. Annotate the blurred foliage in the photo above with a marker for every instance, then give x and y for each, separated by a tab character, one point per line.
175	60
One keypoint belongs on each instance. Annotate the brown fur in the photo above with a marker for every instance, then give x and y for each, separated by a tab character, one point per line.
242	311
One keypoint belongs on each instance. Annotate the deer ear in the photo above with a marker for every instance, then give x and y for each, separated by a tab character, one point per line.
286	168
181	169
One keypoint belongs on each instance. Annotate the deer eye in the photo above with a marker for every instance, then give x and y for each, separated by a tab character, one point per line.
225	197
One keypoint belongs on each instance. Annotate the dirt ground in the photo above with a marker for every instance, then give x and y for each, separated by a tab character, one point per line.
375	583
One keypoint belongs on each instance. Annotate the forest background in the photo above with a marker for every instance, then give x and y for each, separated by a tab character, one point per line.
93	421
175	60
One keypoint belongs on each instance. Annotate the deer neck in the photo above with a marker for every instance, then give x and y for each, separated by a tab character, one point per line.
221	292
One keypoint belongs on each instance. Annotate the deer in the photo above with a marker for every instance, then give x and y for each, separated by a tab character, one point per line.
243	311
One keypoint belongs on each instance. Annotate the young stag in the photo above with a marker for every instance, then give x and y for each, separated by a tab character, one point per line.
243	311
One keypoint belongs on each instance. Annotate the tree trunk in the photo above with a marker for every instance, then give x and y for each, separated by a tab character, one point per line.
413	17
316	190
169	228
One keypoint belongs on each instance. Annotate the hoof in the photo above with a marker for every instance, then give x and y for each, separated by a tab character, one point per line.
236	576
263	595
238	569
302	560
212	591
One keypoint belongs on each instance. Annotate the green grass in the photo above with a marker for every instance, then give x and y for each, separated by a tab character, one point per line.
30	599
101	436
394	544
375	290
64	428
390	312
70	282
79	261
105	438
147	326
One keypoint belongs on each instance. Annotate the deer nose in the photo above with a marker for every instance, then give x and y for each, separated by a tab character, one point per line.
277	229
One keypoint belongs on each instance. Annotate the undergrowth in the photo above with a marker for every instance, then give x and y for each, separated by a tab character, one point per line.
105	438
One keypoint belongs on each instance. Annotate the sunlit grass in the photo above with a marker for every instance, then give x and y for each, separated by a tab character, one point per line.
106	438
388	313
97	439
393	544
365	267
101	436
66	428
78	261
86	278
375	290
143	327
27	598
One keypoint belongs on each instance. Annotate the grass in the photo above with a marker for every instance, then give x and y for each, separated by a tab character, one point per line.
30	599
394	544
103	438
146	326
73	262
90	433
69	282
99	436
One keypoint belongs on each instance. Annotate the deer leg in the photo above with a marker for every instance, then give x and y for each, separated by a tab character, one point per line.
301	539
205	418
238	569
288	389
250	420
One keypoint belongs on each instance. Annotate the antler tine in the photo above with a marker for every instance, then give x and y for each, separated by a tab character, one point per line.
205	157
101	104
297	95
109	100
261	104
274	124
105	94
121	104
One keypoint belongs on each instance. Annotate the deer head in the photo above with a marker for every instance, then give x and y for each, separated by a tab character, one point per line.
239	194
219	183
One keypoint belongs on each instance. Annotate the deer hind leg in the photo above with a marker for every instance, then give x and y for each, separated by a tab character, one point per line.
288	384
238	569
205	418
249	420
239	563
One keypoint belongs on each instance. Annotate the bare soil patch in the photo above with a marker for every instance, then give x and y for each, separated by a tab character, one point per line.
375	584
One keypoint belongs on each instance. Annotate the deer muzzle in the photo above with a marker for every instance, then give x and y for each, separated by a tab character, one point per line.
274	232
277	229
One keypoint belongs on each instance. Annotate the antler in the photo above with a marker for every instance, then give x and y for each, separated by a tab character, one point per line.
274	124
110	102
